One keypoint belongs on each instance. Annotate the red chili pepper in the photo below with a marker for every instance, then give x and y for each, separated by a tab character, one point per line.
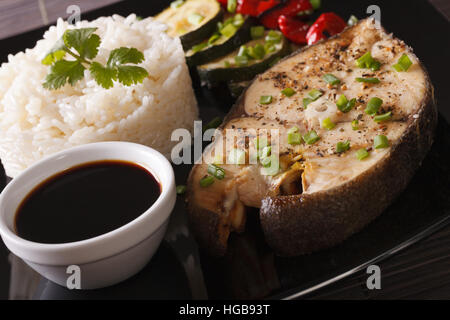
291	8
249	7
265	5
293	29
328	24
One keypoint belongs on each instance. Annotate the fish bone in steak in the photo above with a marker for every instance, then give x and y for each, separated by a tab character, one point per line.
319	198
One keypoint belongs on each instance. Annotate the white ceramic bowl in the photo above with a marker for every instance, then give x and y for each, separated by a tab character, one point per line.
109	258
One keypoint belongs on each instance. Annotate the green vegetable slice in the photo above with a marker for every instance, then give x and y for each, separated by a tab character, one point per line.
216	171
342	146
368	80
328	124
362	154
380	142
181	189
383	117
403	64
344	105
206	181
288	92
331	79
373	106
367	62
265	100
257	32
311	137
231	6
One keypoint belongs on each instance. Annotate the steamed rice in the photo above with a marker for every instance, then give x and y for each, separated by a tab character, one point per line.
35	122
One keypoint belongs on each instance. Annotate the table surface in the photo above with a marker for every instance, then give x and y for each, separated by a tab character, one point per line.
421	271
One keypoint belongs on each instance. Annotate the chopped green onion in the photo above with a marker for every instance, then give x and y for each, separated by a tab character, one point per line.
206	181
199	47
367	62
216	171
214	123
294	138
362	154
265	99
352	20
368	80
288	92
236	156
331	79
315	4
311	137
195	18
227	64
261	143
342	146
181	189
274	36
272	168
214	38
265	152
403	63
265	162
355	125
344	105
269	47
315	94
176	4
306	101
328	124
238	20
373	106
342	102
292	130
243	51
380	142
257	52
257	32
241	60
228	30
383	117
231	6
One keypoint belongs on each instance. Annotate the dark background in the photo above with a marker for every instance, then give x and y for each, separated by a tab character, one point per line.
421	271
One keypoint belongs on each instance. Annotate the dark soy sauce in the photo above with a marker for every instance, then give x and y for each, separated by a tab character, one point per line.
86	201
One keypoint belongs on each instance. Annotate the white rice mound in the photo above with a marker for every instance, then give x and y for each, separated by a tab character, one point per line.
36	122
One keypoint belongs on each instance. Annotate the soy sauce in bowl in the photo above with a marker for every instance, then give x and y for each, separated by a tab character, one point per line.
86	201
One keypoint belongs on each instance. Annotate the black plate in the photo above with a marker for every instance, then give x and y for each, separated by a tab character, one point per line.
250	270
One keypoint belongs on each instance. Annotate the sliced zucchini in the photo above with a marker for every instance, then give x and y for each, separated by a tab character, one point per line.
191	20
229	35
240	65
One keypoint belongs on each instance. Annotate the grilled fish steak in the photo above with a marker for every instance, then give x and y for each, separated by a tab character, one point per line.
319	197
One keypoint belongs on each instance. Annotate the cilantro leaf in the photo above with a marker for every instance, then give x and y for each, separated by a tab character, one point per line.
104	76
83	40
125	55
64	71
129	75
82	44
56	53
91	47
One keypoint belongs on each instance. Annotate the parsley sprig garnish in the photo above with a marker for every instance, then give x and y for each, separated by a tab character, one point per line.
82	44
